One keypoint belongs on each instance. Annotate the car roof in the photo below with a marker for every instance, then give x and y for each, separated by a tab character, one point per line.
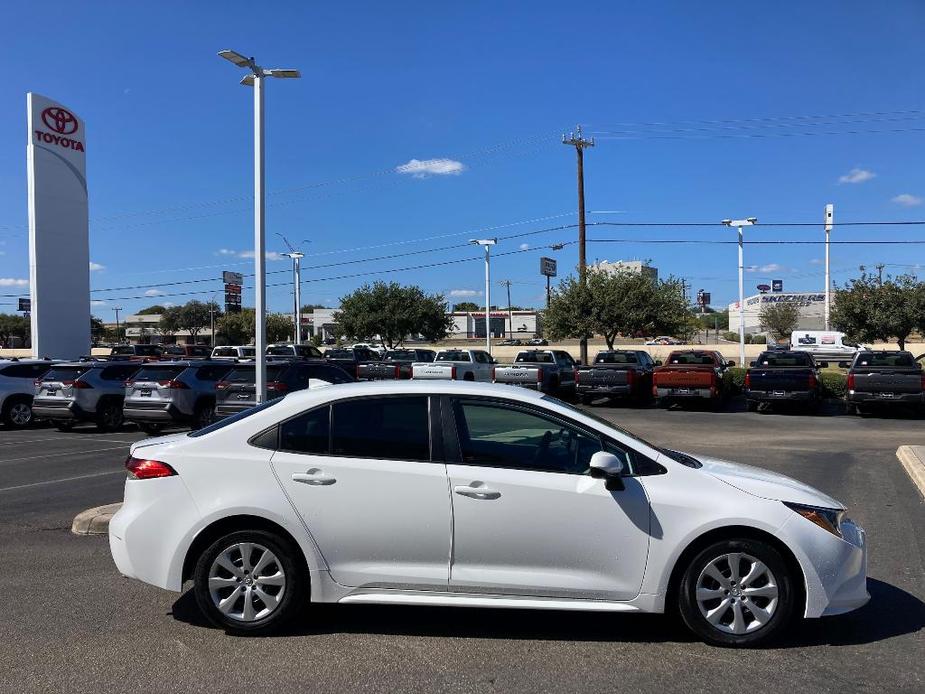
187	362
424	387
27	360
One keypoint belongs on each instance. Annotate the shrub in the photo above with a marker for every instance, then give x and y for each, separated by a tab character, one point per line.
734	379
731	336
834	384
759	339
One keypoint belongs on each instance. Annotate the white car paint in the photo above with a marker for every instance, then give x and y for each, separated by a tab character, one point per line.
477	366
429	533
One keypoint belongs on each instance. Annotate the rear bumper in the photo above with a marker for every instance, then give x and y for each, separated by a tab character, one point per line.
678	392
611	391
878	399
57	410
785	396
228	409
152	412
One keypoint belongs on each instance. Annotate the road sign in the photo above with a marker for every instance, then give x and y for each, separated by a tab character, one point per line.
232	278
777	285
25	305
703	298
548	267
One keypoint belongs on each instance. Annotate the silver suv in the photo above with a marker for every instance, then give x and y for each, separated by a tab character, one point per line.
166	392
243	352
17	378
87	391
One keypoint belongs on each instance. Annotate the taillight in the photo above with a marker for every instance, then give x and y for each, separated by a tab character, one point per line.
128	384
277	386
630	377
37	382
539	375
397	371
850	381
453	373
222	385
173	385
142	469
493	374
577	374
748	380
81	385
811	382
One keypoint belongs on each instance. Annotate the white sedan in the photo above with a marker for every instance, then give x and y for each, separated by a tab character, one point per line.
468	494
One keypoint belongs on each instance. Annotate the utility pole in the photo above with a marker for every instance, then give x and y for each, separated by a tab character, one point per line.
829	221
212	322
579	143
739	223
487	244
880	267
510	311
117	309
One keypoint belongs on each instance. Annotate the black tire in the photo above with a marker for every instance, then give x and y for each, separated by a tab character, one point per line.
751	405
780	616
295	590
585	399
150	428
663	403
64	425
17	412
203	415
109	415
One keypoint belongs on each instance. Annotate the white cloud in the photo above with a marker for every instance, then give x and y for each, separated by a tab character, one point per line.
907	200
271	255
422	168
225	251
770	267
464	293
523	247
154	292
816	261
168	304
13	282
856	175
97	302
95	267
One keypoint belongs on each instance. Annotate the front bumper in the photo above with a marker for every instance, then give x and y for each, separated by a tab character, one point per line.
835	568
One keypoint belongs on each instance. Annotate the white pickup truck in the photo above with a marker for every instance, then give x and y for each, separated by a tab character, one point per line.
456	365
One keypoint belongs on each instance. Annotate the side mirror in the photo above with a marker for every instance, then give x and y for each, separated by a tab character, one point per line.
752	363
609	467
823	364
658	362
730	363
844	365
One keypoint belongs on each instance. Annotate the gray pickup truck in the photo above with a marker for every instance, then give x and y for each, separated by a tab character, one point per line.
546	370
885	379
395	365
620	373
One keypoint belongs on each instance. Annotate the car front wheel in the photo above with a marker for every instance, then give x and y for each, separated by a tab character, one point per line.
250	582
737	593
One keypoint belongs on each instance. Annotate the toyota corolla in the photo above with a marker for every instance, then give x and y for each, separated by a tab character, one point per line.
475	495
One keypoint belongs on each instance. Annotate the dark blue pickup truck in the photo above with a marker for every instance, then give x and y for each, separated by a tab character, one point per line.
783	377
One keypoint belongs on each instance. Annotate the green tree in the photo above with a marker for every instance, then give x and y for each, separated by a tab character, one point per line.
308	308
621	303
151	310
868	310
467	306
193	316
236	328
169	323
12	326
779	318
97	330
714	320
279	327
393	312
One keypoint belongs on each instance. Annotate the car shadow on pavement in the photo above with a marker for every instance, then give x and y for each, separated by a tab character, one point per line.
891	612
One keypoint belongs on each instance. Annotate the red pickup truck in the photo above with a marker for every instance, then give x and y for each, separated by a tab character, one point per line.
690	375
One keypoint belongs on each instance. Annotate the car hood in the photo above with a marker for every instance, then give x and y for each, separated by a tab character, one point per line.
766	484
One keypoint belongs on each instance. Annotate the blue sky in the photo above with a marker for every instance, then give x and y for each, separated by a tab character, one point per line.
490	87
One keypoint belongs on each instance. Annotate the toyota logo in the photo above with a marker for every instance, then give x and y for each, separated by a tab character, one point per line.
60	120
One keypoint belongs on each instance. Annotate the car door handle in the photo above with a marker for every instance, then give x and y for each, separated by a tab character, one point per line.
476	492
315	478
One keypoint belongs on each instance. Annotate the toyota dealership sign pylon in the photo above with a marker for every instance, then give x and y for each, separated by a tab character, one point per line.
59	247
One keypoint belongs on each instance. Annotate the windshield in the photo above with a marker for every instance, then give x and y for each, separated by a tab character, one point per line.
247	374
281	351
339	354
453	355
65	373
691	358
158	373
616	358
784	359
222	423
224	352
534	357
886	359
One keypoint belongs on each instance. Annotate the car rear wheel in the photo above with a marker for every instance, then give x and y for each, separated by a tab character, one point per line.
250	582
150	428
17	413
204	415
109	415
737	593
751	405
64	425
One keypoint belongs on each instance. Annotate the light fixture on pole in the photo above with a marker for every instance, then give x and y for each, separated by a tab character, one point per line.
255	79
487	244
739	223
829	221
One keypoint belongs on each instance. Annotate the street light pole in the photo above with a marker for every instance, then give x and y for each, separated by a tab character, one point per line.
487	244
829	221
739	223
117	309
255	79
296	293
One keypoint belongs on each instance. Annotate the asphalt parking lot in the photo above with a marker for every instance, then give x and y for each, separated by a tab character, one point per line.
71	623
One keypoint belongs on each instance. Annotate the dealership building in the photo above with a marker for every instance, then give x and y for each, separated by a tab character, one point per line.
811	307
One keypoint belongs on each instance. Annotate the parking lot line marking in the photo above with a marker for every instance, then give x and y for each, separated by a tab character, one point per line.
58	455
63	438
65	479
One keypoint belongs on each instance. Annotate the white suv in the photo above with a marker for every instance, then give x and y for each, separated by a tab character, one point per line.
17	378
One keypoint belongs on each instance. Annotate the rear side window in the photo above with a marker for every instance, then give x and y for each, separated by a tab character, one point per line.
395	428
225	352
692	358
308	351
616	358
785	359
534	357
280	351
453	355
308	433
896	359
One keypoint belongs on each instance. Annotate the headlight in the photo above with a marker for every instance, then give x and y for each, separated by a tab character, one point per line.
828	519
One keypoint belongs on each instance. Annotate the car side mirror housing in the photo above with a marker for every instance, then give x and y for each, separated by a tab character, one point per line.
658	362
823	364
608	467
844	365
730	363
752	363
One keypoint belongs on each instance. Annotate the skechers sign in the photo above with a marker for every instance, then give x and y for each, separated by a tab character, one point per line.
63	123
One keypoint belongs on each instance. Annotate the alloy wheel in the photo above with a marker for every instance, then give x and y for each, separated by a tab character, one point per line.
737	593
246	582
20	414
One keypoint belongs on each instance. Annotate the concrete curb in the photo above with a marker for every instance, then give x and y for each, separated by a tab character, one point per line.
913	459
94	521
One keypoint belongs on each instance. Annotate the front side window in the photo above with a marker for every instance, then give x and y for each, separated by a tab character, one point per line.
500	435
307	433
394	428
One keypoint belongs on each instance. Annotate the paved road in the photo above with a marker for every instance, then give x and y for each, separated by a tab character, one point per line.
70	623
